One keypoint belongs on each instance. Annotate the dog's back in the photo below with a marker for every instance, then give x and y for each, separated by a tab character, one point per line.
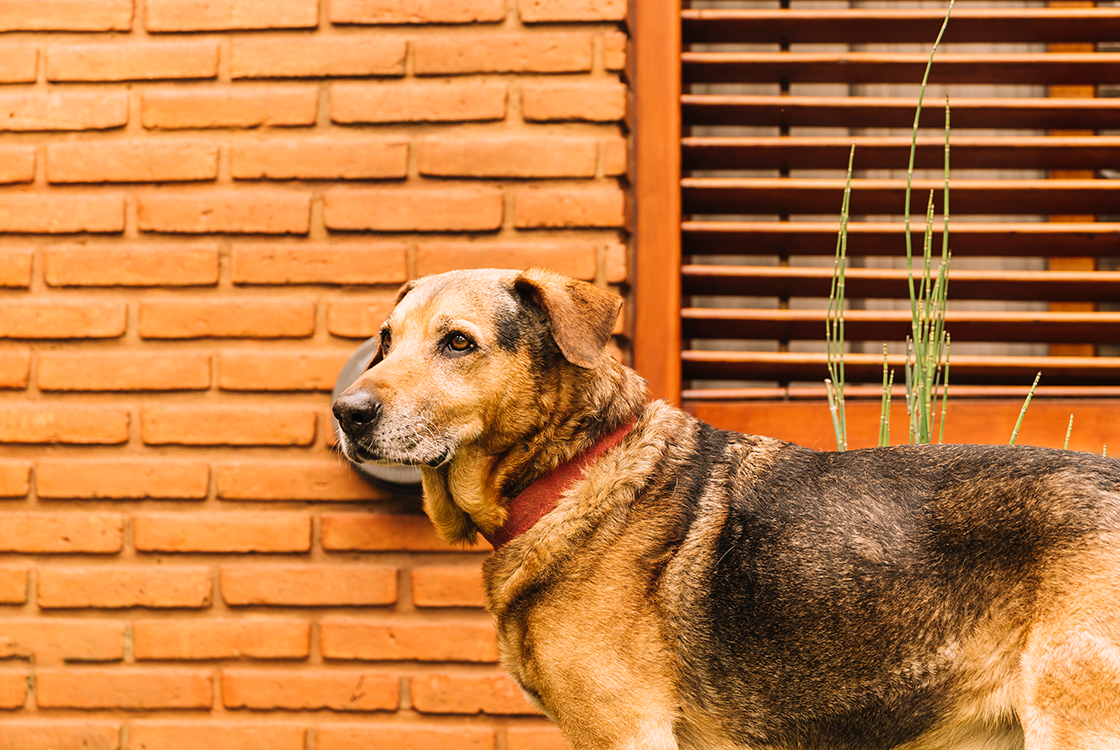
913	594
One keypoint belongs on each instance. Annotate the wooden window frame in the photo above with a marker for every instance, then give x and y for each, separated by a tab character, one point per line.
655	75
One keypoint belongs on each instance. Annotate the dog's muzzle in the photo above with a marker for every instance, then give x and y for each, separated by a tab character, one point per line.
357	413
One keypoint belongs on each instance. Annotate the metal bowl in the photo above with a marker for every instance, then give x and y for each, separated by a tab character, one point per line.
395	477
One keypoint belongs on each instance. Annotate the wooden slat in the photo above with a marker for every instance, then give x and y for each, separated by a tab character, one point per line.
886	25
991	422
967	152
883	112
711	195
966	239
883	283
900	67
894	325
656	120
875	392
868	368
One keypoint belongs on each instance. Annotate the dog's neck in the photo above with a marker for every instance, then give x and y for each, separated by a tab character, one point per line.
472	492
530	505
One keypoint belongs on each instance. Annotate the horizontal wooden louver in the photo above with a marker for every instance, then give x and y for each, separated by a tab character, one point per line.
766	136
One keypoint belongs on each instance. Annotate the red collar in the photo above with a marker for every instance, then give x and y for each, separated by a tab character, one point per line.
542	495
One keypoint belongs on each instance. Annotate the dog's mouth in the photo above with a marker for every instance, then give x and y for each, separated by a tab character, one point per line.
358	453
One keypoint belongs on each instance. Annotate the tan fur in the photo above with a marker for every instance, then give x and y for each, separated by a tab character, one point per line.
600	606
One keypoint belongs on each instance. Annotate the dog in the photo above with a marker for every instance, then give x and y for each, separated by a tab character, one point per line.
659	584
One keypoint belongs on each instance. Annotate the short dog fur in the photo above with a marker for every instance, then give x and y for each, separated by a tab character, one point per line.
697	588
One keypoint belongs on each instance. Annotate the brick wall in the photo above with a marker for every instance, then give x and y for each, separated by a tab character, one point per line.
205	207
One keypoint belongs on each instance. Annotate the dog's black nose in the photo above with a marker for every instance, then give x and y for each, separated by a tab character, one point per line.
356	411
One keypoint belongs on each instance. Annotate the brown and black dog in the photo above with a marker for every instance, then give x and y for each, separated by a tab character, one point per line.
679	586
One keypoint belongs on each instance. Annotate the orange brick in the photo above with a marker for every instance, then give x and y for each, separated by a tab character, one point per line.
17	164
13	688
279	371
65	15
131	265
576	259
615	44
15	267
227	425
215	735
222	532
123	371
50	533
359	320
445	101
320	159
448	586
285	479
383	532
15	478
616	156
15	371
13	585
18	64
122	479
617	262
63	111
372	640
310	690
462	209
135	61
309	585
46	640
61	214
74	425
89	687
132	161
54	733
561	207
116	587
508	156
213	15
534	738
468	694
229	107
226	318
380	263
318	58
544	11
410	11
243	212
210	638
57	319
502	52
404	737
552	101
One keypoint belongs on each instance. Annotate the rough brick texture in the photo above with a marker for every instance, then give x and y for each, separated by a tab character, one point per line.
209	204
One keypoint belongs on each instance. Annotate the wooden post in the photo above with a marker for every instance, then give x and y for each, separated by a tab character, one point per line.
656	123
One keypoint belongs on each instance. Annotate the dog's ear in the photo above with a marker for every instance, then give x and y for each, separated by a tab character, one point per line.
580	315
380	353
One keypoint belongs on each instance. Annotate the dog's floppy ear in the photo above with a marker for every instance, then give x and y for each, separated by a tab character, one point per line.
580	315
380	353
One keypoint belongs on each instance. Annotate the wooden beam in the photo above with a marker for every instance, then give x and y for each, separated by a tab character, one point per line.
656	36
808	422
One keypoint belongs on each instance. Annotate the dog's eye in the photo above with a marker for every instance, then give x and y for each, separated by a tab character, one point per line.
458	343
386	341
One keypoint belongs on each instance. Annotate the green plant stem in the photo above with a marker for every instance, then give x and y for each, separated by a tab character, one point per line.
1023	411
1069	431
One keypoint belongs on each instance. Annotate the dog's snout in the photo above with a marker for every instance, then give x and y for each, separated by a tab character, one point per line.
356	411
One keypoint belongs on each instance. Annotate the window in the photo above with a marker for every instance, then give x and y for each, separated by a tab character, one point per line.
770	100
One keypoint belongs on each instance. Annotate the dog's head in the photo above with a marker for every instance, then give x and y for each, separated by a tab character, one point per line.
471	364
